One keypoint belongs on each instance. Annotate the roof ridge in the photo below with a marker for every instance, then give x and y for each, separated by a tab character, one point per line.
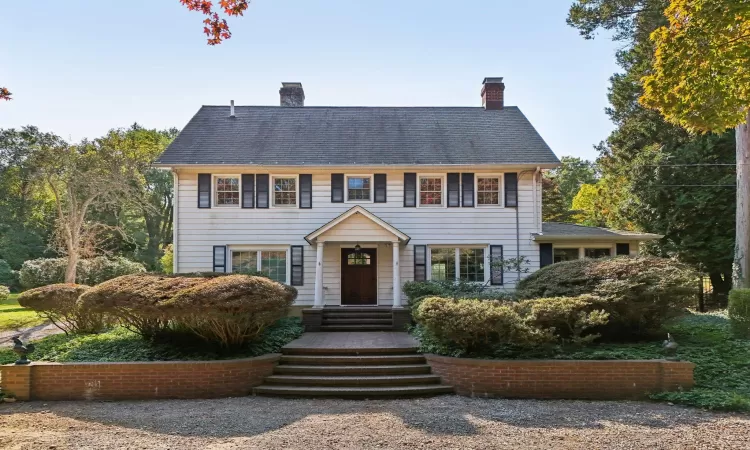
354	107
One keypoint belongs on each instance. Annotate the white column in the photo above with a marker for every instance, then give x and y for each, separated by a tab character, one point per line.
319	301
396	276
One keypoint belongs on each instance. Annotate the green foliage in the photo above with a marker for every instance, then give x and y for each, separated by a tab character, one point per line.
58	304
167	260
554	206
571	175
120	344
45	271
416	291
7	277
4	293
475	325
571	319
15	317
229	309
638	293
739	311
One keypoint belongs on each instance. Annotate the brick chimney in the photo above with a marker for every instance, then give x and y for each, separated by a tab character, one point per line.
492	93
292	95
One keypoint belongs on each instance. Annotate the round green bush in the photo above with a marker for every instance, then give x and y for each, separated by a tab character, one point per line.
638	293
739	312
571	319
45	271
4	293
59	304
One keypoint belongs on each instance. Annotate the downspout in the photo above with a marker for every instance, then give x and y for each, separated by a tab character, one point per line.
175	220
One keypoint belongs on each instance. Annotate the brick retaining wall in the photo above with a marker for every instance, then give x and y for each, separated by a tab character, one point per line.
604	380
136	380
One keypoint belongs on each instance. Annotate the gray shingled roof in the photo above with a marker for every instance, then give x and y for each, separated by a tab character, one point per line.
272	135
558	229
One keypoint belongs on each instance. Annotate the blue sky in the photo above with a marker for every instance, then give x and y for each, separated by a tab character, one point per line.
79	68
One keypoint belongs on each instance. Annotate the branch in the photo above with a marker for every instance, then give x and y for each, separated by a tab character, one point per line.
4	94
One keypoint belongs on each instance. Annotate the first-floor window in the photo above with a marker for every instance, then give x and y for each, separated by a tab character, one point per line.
565	254
461	263
596	252
271	263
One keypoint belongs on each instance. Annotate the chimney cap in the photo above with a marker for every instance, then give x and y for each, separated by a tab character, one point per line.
492	80
293	84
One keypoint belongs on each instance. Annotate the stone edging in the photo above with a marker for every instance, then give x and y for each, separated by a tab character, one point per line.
570	379
137	380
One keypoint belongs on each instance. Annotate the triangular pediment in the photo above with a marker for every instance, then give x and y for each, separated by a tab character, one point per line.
357	225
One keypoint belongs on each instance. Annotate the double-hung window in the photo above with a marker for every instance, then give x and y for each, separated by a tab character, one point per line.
271	263
597	252
358	188
489	190
457	264
227	190
431	190
284	191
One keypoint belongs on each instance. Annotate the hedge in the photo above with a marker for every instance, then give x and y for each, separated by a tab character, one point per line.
58	303
45	271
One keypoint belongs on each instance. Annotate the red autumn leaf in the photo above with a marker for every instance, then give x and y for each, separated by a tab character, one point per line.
216	27
4	94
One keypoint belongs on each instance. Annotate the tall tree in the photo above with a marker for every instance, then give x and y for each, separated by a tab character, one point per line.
554	207
571	175
701	81
660	177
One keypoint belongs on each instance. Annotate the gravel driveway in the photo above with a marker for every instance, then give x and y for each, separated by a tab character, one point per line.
440	422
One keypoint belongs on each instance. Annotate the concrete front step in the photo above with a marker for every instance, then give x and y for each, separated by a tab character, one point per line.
356	321
352	309
356	328
358	315
351	360
350	381
329	351
402	369
352	392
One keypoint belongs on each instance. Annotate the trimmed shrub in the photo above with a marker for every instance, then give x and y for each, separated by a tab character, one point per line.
474	325
4	293
58	303
571	319
44	271
134	300
231	310
739	312
639	293
419	290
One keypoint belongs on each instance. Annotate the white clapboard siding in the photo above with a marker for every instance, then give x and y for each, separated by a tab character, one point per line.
200	229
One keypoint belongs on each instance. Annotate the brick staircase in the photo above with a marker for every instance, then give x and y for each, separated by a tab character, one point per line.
352	373
357	319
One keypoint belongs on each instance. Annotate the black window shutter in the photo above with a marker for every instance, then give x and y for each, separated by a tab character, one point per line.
298	265
337	188
496	267
261	191
381	188
248	191
467	182
454	190
623	249
545	255
410	190
420	263
220	258
511	190
204	190
305	191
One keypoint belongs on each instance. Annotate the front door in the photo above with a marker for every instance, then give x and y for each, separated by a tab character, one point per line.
359	277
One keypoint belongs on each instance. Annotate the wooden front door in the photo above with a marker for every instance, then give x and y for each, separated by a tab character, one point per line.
359	277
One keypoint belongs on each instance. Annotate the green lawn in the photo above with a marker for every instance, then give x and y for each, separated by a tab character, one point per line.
13	316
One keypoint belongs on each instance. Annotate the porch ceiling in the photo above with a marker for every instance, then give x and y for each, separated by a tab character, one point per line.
357	225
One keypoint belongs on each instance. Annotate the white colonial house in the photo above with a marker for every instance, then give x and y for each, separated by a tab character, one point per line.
348	203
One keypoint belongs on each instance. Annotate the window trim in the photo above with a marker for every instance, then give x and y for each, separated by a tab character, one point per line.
272	192
357	175
457	260
215	193
501	189
263	248
443	185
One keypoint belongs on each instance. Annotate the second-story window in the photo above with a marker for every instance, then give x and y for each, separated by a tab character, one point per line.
430	191
488	191
227	191
284	191
358	188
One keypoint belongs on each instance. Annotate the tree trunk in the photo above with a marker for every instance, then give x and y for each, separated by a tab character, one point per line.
741	266
70	270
